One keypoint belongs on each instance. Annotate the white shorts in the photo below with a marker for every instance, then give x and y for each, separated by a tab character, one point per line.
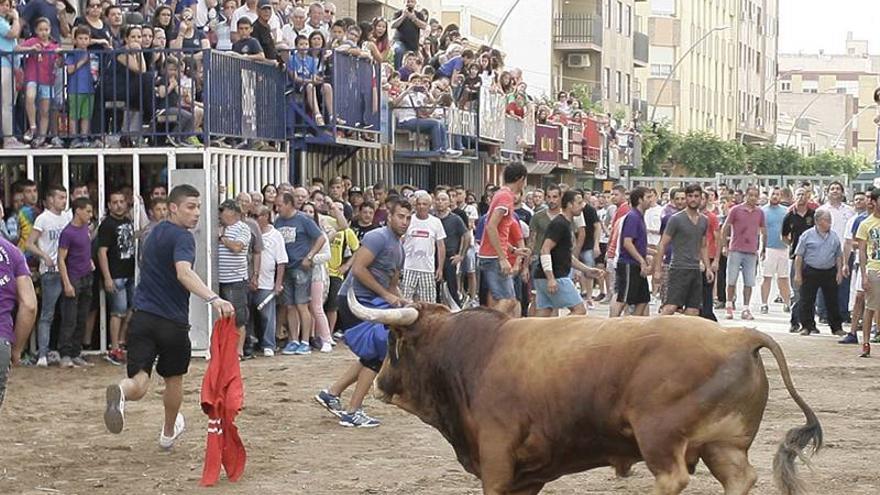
776	263
855	280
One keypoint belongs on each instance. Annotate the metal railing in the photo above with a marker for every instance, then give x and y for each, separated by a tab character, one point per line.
105	98
577	28
492	110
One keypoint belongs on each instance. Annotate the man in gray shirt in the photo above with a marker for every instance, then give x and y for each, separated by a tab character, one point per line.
686	232
818	265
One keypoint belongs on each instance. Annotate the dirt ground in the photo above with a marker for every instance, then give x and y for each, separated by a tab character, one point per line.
52	438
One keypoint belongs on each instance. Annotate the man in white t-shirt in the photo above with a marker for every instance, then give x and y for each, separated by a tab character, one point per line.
43	242
271	277
423	245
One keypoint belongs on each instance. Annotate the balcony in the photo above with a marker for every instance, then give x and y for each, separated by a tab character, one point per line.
577	32
640	49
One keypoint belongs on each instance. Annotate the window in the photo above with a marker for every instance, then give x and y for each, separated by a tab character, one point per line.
618	87
628	22
662	58
810	87
608	14
849	87
619	24
628	89
606	82
663	7
661	70
785	86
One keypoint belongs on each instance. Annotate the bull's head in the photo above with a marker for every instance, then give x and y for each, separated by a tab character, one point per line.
407	328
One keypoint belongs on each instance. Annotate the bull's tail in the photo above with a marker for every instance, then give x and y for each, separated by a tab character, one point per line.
797	439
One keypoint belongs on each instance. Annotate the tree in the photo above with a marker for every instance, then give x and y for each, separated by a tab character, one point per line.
774	160
705	155
828	163
658	143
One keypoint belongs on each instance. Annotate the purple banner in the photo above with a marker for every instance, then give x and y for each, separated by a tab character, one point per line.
546	143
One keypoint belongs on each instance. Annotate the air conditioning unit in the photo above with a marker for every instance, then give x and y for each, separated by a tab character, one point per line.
578	60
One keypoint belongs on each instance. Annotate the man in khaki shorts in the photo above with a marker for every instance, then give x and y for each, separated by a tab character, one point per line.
868	237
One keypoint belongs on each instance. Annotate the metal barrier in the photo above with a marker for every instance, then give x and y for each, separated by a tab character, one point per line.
492	112
356	90
105	98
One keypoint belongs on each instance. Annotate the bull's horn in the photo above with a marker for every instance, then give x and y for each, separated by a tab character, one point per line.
450	301
396	316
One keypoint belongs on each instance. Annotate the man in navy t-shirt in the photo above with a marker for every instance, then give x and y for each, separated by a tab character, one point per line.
160	325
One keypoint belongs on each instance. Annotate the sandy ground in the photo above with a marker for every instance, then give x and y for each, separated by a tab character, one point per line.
54	441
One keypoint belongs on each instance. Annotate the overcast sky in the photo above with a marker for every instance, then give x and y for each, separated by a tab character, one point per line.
810	25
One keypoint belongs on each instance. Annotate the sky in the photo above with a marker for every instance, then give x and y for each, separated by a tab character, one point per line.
810	25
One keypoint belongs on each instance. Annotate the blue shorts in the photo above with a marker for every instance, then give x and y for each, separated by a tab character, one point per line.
44	91
745	262
469	264
565	297
587	258
119	301
297	286
500	286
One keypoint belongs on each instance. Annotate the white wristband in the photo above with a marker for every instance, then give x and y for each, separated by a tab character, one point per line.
546	262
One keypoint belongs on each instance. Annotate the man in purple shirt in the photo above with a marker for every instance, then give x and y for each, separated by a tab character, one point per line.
744	227
632	267
76	267
16	296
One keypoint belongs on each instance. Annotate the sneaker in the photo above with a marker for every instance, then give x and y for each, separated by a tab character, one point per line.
866	350
765	309
42	362
290	349
304	349
80	362
786	308
778	299
113	357
193	141
179	427
66	362
728	313
326	347
453	154
330	402
56	142
806	332
29	135
839	332
13	144
794	328
358	419
337	335
268	352
746	314
114	413
849	338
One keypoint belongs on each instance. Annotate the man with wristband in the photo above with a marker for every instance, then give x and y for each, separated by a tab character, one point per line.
160	325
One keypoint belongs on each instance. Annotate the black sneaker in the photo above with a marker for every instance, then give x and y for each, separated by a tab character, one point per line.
794	328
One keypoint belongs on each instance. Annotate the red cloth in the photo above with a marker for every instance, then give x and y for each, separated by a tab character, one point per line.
222	398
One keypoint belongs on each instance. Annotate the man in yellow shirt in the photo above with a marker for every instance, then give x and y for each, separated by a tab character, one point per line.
868	237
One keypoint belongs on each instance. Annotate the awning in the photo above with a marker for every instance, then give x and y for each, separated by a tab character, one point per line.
540	168
564	166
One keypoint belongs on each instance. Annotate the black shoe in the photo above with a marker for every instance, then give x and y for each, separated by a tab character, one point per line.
794	328
806	332
823	321
839	332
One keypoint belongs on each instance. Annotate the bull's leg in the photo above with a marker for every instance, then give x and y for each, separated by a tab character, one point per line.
730	465
666	460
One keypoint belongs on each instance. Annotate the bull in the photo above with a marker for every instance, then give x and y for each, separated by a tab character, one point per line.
526	401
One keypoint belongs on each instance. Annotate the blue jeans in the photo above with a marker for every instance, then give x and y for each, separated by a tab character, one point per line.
795	299
434	126
119	301
50	288
267	318
399	50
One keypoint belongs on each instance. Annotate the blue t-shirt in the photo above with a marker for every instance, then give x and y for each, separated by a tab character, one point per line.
159	292
634	228
299	233
80	82
451	66
773	217
304	66
6	44
388	259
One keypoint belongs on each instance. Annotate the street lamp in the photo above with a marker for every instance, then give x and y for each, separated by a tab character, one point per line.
678	62
742	135
849	123
503	21
804	111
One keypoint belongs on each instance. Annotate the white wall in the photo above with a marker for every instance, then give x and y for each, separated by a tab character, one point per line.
525	37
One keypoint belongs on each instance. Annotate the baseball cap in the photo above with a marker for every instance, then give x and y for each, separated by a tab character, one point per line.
264	3
355	190
230	204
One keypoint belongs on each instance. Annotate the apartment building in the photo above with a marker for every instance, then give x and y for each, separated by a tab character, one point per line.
475	23
727	56
855	73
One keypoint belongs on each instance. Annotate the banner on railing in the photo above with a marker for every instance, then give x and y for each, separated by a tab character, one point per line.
245	97
513	135
461	122
546	143
356	91
492	112
529	123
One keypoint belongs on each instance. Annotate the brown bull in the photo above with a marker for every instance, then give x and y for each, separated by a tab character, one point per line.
525	401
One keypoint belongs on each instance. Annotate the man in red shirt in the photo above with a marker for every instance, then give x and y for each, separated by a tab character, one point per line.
495	246
619	199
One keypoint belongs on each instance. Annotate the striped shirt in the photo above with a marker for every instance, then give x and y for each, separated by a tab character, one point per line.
232	266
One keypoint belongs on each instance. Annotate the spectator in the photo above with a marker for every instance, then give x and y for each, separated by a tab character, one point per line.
296	27
303	239
157	58
205	12
456	63
170	104
26	214
470	88
408	24
17	296
76	267
234	240
10	29
99	31
53	12
271	276
415	116
131	83
80	88
163	18
329	13
39	76
380	38
336	190
819	264
43	242
115	20
744	226
248	10
423	239
776	257
225	29
304	73
633	269
316	20
319	286
365	221
868	235
457	241
410	66
798	219
343	245
265	28
190	39
116	256
245	45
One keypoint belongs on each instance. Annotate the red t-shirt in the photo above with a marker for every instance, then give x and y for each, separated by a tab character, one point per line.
514	238
503	199
711	241
622	210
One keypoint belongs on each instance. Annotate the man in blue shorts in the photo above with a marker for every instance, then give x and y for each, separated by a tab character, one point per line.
159	329
375	273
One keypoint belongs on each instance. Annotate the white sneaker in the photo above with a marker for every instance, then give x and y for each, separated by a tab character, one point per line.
179	427
326	347
268	352
42	362
114	413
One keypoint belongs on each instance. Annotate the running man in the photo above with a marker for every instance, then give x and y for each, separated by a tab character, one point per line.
160	325
375	273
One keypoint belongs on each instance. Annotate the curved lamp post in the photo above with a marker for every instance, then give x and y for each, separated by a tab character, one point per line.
804	111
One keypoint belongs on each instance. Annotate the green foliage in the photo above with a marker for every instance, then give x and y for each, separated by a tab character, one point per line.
658	143
705	155
584	94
